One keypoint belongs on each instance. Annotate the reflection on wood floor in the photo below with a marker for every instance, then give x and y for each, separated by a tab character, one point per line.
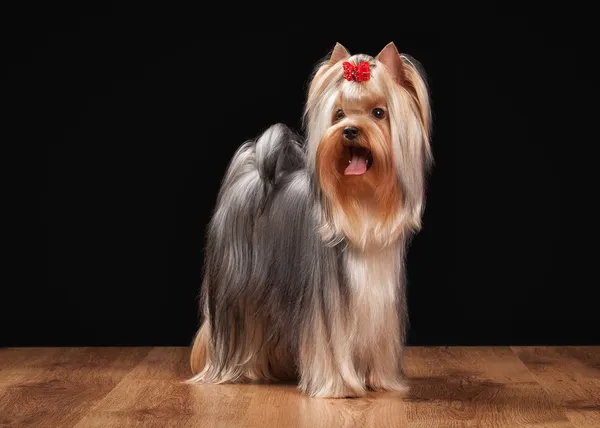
449	387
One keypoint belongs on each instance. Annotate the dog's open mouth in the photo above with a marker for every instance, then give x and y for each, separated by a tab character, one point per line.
361	160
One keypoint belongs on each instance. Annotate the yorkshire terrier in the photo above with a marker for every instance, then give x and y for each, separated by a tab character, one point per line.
304	274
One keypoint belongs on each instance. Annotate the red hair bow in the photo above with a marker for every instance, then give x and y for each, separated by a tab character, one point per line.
358	73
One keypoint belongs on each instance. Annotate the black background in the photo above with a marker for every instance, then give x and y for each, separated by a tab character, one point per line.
125	124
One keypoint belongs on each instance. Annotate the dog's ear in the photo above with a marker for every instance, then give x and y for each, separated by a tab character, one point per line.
390	57
338	53
408	73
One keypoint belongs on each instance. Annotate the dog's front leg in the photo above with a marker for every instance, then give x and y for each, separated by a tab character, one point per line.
325	362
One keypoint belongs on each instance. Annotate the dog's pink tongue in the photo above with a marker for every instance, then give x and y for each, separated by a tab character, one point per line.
357	166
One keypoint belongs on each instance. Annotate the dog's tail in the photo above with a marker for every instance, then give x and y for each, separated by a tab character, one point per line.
261	163
278	152
254	172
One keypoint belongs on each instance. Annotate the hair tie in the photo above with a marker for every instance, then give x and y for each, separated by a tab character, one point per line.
358	73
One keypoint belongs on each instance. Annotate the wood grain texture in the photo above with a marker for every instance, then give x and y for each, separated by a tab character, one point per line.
450	387
476	387
571	377
57	387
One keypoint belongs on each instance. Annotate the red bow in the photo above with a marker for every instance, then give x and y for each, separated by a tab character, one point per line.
358	73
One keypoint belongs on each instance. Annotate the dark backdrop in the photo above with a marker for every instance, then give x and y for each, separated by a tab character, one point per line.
124	127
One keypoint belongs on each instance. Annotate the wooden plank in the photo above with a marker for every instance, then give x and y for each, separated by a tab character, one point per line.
571	377
154	395
56	387
285	406
450	387
15	363
476	387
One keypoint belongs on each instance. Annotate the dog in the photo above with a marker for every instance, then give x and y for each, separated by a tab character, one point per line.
304	270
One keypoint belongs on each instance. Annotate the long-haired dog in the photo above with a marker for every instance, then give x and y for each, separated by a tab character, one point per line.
304	268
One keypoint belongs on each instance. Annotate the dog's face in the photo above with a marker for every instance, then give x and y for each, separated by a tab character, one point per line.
368	131
354	159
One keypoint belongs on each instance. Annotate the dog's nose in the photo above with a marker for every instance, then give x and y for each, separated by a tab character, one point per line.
350	132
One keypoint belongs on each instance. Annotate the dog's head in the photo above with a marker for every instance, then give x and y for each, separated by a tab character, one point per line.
368	129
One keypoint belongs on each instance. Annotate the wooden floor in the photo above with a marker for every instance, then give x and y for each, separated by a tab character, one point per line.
450	387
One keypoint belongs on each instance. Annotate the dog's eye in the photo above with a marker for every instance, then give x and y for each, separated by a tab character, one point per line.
378	113
339	114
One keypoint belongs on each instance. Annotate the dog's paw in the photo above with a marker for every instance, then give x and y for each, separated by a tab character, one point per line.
377	383
333	390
